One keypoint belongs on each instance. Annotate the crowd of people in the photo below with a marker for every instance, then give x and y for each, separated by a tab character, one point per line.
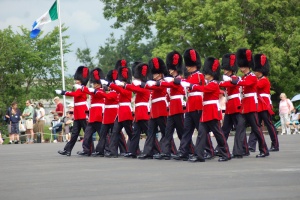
165	101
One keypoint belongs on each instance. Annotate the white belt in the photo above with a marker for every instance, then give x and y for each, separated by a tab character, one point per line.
141	104
254	94
158	99
212	102
233	96
266	95
111	106
176	97
97	105
125	104
80	104
195	94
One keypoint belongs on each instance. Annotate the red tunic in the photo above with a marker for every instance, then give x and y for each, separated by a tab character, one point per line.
175	97
211	108
97	105
263	94
249	101
124	111
233	104
194	101
80	104
158	101
141	102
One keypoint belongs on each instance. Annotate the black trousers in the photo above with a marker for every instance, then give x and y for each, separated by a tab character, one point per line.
215	127
235	120
191	121
90	129
252	120
77	126
139	127
267	119
167	143
117	134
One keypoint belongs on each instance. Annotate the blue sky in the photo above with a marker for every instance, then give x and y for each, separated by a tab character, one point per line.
84	18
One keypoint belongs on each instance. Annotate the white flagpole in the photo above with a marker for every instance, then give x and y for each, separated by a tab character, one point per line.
62	57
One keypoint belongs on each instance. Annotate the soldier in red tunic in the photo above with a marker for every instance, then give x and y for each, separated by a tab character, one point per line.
248	82
233	116
158	110
81	77
261	70
124	118
95	112
211	114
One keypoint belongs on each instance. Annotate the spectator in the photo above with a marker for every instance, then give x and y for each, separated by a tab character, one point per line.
285	108
28	115
40	119
68	125
56	126
59	107
14	116
1	139
295	116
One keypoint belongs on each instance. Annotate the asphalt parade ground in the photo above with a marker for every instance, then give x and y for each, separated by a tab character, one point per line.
37	171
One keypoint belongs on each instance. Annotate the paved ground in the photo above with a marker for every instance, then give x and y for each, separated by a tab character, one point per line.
36	171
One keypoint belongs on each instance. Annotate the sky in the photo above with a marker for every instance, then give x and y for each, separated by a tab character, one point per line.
87	26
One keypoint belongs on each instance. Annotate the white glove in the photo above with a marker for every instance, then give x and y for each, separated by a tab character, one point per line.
77	86
226	78
185	84
136	82
151	83
92	90
169	79
58	91
119	83
103	82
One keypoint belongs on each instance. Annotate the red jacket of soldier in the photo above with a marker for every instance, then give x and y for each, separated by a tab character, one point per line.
80	104
233	103
263	94
111	105
97	105
125	110
176	96
249	101
194	101
141	102
158	101
211	109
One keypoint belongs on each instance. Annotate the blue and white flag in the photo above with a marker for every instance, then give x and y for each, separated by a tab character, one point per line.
49	16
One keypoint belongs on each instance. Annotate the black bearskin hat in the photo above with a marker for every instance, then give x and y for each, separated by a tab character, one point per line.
120	63
82	74
124	74
174	61
229	62
112	75
133	66
96	75
192	58
212	67
157	66
261	64
244	58
142	71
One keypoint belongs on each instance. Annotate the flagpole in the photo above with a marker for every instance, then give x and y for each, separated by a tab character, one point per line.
61	57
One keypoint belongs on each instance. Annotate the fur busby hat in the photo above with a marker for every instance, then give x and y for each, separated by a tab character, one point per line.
82	74
192	58
120	63
158	66
261	64
244	58
96	75
142	72
212	67
174	61
229	62
124	74
133	66
112	75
